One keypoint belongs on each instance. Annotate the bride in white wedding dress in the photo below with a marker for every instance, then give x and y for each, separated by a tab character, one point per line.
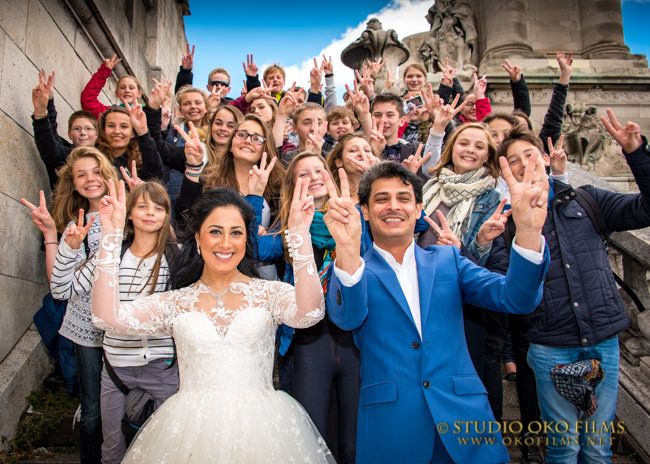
223	322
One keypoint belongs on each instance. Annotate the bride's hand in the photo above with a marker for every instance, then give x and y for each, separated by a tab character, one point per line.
112	208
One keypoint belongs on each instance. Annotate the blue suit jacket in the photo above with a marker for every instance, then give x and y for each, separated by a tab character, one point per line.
412	387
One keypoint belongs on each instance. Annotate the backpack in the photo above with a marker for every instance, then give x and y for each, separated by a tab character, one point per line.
587	202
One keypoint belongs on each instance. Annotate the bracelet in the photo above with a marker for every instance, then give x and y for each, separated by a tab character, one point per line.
365	120
194	166
192	174
329	75
50	243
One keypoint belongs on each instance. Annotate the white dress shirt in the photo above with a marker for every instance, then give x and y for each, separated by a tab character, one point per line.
407	273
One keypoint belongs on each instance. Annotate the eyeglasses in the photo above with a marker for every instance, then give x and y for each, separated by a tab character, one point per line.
470	104
219	83
80	128
255	138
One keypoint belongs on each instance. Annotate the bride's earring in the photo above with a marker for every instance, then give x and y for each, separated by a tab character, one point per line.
198	248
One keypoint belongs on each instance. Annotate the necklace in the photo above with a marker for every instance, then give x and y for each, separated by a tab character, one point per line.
220	305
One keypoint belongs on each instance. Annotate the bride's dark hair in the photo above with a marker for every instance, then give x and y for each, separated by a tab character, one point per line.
188	263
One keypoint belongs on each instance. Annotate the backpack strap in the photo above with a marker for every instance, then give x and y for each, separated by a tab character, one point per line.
111	373
592	209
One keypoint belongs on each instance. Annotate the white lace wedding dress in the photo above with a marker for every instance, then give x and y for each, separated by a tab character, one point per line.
226	410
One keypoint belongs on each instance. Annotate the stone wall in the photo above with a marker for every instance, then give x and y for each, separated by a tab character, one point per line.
70	37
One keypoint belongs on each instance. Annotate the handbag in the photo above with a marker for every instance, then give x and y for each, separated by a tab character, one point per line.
139	405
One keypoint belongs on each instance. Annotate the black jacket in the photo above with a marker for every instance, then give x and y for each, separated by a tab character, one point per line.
581	305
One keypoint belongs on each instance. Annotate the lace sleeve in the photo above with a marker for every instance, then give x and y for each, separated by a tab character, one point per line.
303	306
148	315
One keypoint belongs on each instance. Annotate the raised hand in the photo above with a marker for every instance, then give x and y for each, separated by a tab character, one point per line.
288	104
565	63
132	181
414	162
445	235
215	97
344	223
480	86
494	226
138	118
445	115
313	145
112	208
448	74
628	137
188	59
75	233
41	217
374	67
432	101
558	156
259	176
513	71
360	102
250	68
529	199
110	63
193	146
315	77
327	66
366	82
377	139
390	80
259	92
48	81
302	205
159	93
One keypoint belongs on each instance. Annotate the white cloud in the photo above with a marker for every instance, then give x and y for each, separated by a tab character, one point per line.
406	17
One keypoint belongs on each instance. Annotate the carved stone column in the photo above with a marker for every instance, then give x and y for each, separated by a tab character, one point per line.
505	28
602	27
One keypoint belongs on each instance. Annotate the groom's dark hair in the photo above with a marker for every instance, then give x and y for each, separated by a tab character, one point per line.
388	170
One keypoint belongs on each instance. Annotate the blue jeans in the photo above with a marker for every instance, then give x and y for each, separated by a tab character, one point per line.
89	369
583	441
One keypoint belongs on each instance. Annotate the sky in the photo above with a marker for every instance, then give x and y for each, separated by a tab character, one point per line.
293	33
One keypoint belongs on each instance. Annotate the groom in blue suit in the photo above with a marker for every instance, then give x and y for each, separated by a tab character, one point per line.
421	399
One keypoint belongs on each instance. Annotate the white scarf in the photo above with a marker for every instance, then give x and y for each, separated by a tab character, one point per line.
459	192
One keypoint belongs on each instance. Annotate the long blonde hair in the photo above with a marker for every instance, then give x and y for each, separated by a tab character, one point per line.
492	163
66	200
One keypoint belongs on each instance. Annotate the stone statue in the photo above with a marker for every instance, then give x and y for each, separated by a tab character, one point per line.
587	142
453	35
375	43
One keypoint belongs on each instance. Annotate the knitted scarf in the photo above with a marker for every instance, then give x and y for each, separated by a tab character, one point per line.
459	192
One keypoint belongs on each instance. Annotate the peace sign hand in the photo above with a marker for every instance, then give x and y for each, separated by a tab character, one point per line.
193	145
513	71
377	139
366	162
445	115
112	208
628	137
366	82
445	235
258	177
327	66
133	180
187	62
494	226
110	63
529	200
558	156
414	162
250	68
302	209
343	220
41	218
159	93
480	86
287	105
75	233
138	118
214	99
315	77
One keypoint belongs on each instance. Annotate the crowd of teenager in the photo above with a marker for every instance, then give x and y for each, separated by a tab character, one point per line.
277	145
